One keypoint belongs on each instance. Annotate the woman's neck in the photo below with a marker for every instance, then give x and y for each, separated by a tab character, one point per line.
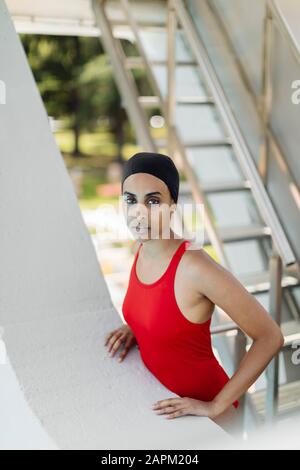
159	247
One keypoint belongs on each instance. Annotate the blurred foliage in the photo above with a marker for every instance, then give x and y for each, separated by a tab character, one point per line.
76	82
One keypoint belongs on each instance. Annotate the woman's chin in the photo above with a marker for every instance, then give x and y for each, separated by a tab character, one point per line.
141	234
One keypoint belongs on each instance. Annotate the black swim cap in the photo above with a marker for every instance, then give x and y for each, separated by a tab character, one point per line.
156	164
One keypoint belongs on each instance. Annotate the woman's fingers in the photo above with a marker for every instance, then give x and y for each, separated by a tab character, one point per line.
177	413
116	344
127	347
166	409
109	336
115	337
173	407
117	331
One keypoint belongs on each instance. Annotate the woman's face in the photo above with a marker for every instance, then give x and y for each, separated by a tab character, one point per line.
147	205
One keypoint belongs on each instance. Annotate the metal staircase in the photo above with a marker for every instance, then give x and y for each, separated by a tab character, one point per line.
204	136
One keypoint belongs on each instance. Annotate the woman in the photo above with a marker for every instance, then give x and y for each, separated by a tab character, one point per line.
170	299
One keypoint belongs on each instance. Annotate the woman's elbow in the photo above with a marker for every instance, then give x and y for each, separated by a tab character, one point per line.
276	339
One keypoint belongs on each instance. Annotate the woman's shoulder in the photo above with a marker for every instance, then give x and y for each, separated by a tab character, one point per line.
197	259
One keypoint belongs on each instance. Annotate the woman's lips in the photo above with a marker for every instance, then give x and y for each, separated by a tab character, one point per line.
141	230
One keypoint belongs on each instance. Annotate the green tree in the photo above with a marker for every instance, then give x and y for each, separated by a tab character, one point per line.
76	82
57	63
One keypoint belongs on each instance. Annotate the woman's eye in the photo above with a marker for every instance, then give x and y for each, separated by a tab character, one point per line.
154	201
130	200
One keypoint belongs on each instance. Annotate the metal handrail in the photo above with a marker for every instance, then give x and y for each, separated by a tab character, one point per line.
231	326
284	28
243	154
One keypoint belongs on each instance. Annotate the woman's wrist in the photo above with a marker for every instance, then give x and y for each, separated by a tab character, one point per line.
217	408
211	409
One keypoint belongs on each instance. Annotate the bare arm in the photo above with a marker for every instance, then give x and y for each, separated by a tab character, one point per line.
222	288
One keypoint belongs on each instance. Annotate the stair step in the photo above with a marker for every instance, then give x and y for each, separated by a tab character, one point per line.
260	282
194	100
215	187
208	143
239	233
291	331
149	101
198	144
133	62
122	23
288	398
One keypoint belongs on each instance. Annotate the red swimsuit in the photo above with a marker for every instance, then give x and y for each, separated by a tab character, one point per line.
177	351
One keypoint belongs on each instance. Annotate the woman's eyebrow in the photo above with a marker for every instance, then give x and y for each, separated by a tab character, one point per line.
148	194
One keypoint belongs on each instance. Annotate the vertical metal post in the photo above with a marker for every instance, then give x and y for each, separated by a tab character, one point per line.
272	370
171	75
275	265
266	95
239	352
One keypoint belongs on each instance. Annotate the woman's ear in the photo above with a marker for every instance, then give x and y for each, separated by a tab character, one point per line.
173	206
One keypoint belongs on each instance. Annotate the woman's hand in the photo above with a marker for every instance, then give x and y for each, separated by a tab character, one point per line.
181	406
116	337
